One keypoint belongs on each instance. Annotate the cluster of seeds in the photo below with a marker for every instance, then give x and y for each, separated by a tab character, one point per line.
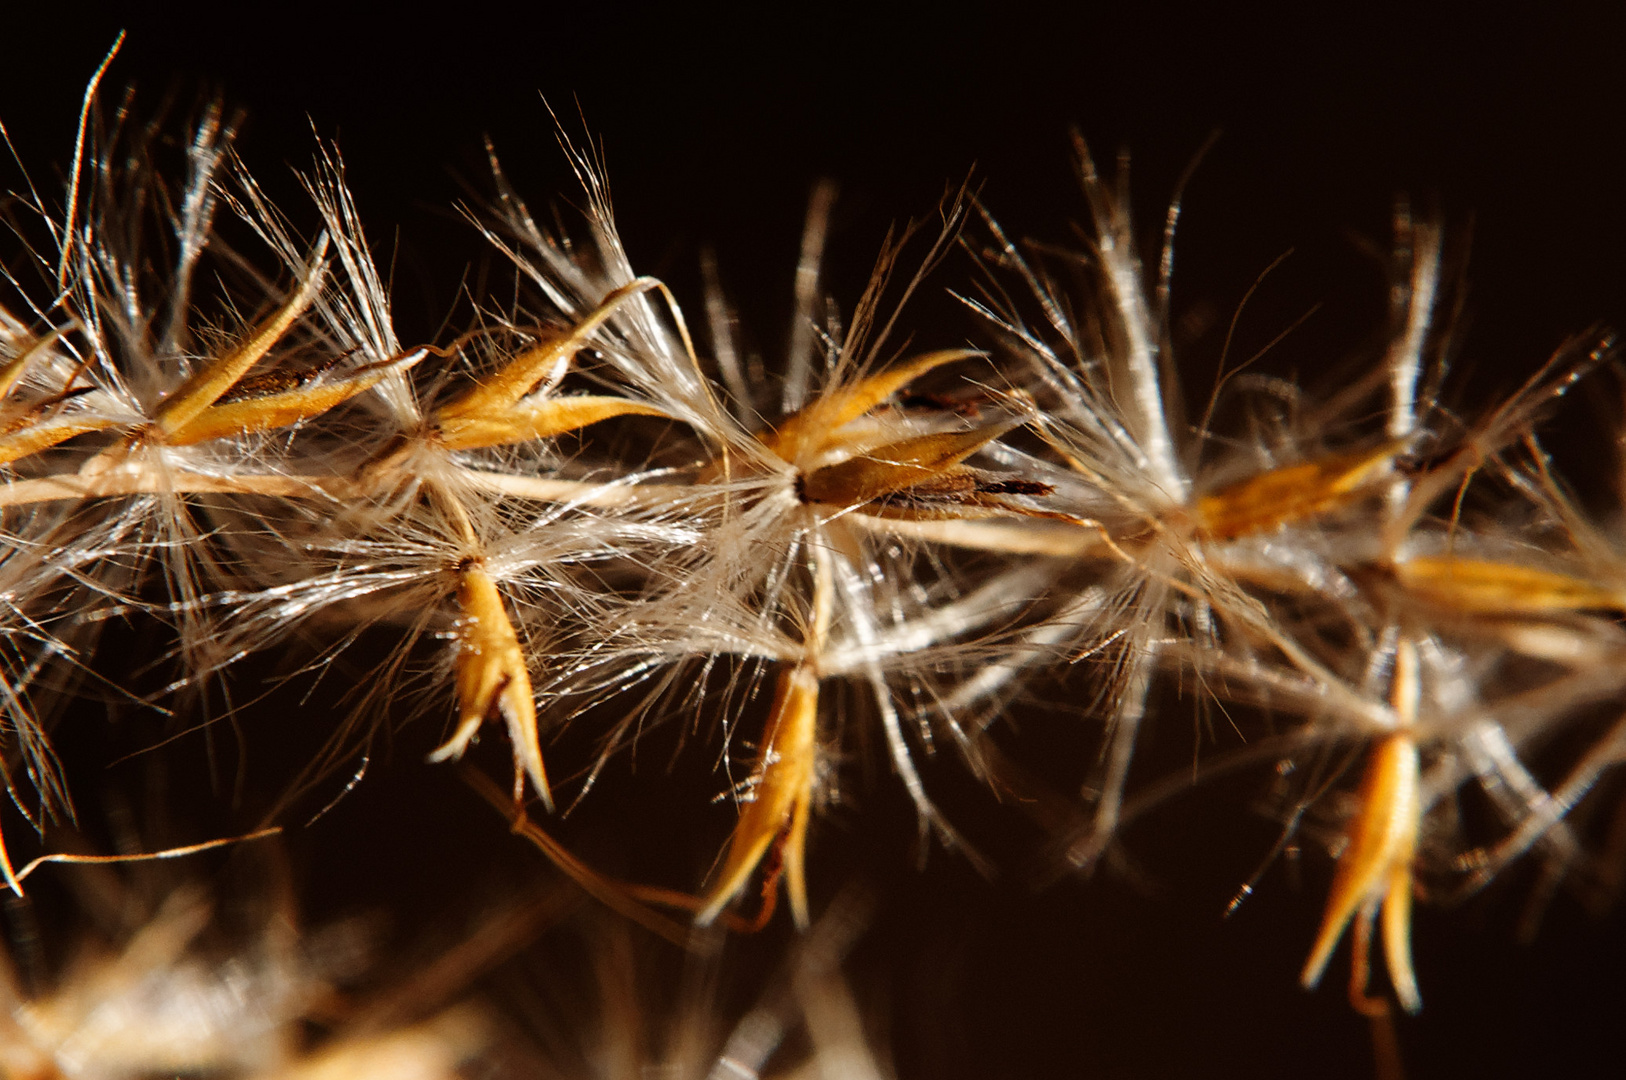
584	515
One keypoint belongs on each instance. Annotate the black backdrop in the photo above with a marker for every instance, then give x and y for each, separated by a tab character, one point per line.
714	127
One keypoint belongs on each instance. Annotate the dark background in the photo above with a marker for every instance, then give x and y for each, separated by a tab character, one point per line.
714	127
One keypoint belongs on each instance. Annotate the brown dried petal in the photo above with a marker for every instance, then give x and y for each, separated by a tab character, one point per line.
783	798
1484	587
895	466
211	382
493	680
1291	493
542	420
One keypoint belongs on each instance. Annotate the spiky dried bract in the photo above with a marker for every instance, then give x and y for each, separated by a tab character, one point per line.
282	400
493	679
1375	867
780	800
1291	493
510	406
1481	587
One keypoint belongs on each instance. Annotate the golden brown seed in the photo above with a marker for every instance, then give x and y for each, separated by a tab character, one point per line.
1288	494
1484	587
1375	867
493	680
782	799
